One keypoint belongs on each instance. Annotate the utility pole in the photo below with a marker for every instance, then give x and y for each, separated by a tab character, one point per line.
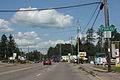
60	51
28	49
78	31
71	46
105	2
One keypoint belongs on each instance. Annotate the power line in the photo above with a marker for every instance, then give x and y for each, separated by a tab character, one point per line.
63	7
101	7
95	19
59	31
90	19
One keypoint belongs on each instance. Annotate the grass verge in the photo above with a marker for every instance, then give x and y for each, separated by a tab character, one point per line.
113	68
89	72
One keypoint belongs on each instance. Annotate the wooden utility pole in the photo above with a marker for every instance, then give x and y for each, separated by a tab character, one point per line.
105	2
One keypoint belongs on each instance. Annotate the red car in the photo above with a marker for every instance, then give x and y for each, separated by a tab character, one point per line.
47	62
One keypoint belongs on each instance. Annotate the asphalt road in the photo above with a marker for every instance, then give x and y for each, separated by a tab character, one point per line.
57	71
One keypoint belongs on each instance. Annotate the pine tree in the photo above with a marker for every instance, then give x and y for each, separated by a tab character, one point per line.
90	38
99	45
3	47
11	45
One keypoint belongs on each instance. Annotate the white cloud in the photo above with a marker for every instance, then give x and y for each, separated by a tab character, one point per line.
27	35
43	46
34	42
45	34
27	41
5	26
44	18
27	38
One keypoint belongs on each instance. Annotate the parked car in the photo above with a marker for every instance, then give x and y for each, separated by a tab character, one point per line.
47	62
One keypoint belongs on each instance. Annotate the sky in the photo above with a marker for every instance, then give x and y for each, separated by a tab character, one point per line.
42	29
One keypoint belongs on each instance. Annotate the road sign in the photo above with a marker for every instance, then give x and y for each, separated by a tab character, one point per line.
107	34
107	28
82	54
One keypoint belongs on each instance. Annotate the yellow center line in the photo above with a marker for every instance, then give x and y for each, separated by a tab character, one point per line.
7	72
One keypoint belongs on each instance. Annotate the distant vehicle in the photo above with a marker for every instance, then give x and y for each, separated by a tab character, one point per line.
75	60
22	61
47	62
36	61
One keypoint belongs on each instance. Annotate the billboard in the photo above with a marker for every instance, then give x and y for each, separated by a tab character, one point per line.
81	54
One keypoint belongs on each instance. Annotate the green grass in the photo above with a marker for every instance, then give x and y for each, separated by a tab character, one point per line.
116	69
100	67
89	72
81	68
113	68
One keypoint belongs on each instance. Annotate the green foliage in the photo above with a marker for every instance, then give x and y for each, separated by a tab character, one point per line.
115	35
11	46
90	33
87	44
3	47
34	56
55	51
8	47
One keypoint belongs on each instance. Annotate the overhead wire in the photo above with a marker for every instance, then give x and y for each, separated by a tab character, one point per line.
63	7
91	17
57	32
95	19
101	7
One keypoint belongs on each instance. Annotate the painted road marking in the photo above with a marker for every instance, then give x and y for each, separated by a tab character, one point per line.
16	70
38	75
49	69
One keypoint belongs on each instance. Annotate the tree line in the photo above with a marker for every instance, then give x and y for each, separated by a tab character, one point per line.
35	56
89	44
8	47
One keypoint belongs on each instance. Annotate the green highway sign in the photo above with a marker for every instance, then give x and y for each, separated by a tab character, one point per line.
107	28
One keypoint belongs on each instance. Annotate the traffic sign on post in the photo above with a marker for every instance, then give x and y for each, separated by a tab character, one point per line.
107	28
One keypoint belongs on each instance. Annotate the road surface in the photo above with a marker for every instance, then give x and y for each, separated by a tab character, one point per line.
57	71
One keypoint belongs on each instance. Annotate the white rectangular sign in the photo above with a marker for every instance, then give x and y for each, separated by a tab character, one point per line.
107	34
113	50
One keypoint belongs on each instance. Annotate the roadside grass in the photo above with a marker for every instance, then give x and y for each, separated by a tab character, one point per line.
113	68
81	68
101	67
89	72
15	63
116	69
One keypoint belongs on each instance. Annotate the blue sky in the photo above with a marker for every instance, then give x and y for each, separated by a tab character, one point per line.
43	29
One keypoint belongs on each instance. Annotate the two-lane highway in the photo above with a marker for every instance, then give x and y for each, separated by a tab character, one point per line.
57	71
20	72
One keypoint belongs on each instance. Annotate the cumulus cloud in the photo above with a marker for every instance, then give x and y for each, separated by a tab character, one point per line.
27	35
44	18
33	40
5	26
27	41
43	46
27	38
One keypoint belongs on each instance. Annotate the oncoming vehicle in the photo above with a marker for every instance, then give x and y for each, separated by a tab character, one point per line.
47	62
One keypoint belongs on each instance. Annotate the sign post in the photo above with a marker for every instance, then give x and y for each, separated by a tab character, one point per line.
105	2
